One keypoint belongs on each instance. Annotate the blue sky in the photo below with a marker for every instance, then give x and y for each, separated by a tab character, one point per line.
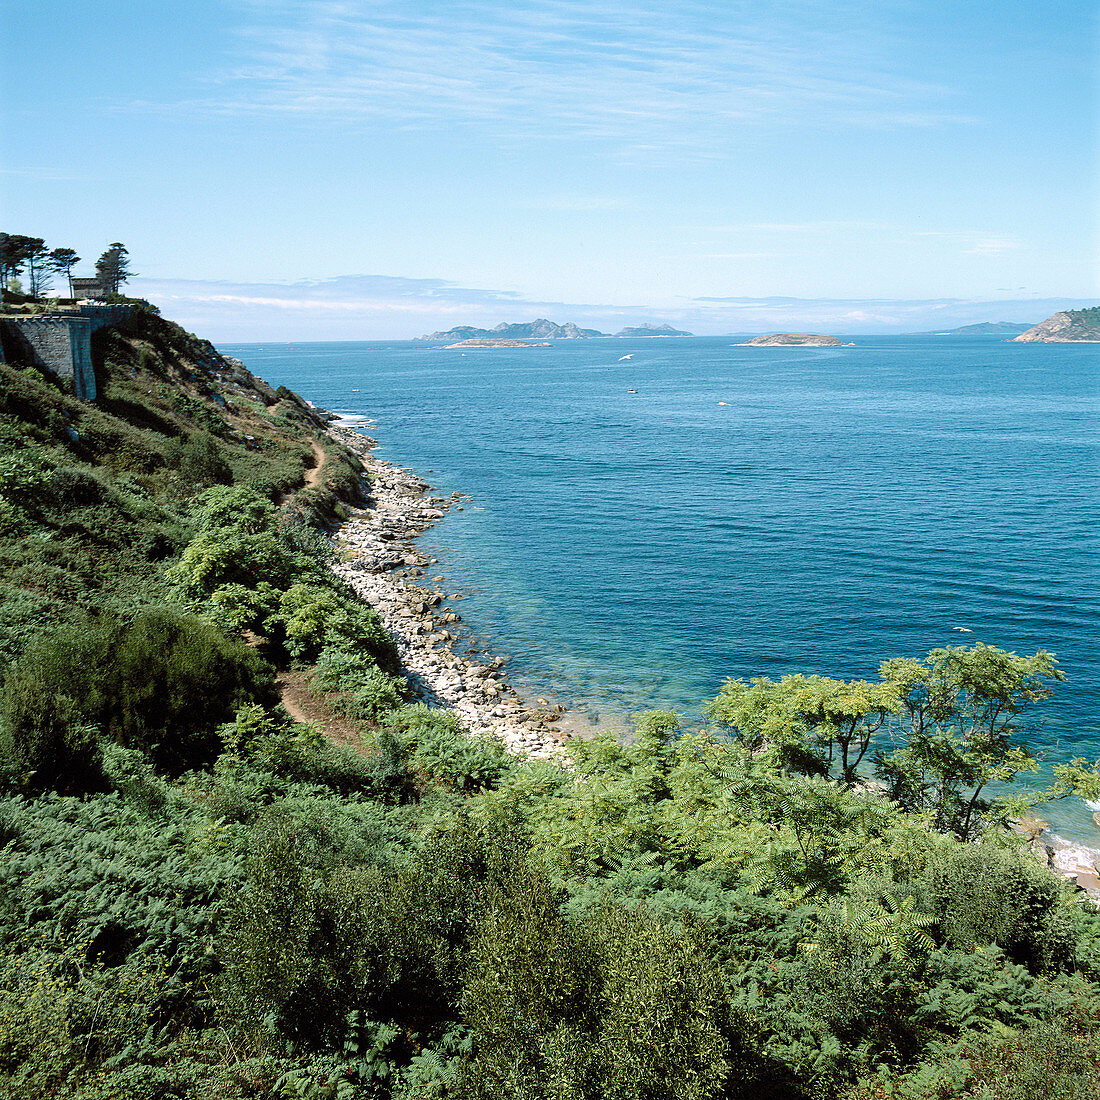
374	169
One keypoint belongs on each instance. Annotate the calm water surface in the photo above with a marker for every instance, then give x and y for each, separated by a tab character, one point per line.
748	512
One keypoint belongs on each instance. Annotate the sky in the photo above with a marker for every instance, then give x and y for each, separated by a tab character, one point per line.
378	169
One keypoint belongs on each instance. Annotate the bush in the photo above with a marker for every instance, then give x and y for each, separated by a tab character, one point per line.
367	693
202	463
615	1004
240	507
981	894
160	684
440	747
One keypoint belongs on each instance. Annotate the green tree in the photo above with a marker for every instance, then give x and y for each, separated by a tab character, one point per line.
13	255
62	260
809	723
962	730
113	267
39	269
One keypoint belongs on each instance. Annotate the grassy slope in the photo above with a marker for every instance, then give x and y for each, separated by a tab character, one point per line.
119	474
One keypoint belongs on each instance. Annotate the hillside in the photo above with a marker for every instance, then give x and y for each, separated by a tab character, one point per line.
239	861
1070	327
539	329
984	328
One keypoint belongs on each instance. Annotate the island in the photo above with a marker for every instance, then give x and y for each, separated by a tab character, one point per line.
650	330
539	329
983	328
794	340
488	343
1071	326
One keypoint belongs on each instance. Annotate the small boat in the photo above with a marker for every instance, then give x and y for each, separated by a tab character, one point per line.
631	391
622	357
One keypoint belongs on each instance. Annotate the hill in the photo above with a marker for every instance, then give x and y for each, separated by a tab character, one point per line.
985	328
1074	326
650	330
539	329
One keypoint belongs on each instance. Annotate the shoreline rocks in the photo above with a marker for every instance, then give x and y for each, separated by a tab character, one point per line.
384	567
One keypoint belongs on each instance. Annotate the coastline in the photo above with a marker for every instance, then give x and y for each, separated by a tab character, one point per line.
380	561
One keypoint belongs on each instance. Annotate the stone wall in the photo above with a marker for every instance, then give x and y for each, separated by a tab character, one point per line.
104	315
61	342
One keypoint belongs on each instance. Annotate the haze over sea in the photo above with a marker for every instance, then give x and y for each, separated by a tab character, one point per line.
748	512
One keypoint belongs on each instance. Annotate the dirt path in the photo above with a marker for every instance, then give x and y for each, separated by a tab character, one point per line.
313	475
303	706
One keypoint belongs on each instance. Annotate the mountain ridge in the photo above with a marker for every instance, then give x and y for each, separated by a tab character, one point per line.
538	329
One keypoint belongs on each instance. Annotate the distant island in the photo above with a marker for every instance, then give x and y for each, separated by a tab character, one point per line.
488	342
985	328
1073	326
650	330
542	329
794	340
539	329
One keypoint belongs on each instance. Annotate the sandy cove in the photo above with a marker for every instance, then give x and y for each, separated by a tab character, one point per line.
381	563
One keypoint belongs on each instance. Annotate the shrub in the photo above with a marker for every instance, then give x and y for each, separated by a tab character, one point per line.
614	1004
240	507
367	693
202	463
443	750
226	556
981	893
161	684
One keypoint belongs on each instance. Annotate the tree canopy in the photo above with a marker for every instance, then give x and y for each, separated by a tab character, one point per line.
113	267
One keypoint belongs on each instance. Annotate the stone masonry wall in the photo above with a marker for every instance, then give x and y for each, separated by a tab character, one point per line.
61	342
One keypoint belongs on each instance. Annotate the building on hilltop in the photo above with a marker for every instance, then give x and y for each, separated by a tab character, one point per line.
93	289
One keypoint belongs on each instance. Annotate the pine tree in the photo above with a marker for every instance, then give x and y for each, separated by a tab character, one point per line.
113	267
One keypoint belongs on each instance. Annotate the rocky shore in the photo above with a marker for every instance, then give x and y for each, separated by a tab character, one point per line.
379	560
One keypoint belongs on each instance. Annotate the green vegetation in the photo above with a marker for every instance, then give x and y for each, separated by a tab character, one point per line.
202	898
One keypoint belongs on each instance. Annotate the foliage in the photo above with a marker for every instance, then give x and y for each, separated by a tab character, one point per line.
158	683
806	721
200	897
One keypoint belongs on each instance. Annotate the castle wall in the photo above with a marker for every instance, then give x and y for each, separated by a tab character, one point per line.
61	342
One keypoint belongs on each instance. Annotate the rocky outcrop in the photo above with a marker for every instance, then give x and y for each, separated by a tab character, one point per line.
1072	326
486	342
794	340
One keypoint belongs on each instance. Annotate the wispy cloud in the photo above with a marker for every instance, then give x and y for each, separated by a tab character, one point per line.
369	307
641	76
976	242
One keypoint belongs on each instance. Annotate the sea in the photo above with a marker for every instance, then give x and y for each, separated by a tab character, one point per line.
647	518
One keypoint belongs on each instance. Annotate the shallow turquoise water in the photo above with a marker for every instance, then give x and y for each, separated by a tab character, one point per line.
748	511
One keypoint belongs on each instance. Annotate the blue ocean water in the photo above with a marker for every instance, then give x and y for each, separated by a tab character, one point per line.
748	511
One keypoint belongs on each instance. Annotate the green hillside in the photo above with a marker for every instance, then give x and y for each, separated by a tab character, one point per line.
201	897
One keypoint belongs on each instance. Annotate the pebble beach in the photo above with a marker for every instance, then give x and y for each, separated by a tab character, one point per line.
379	559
